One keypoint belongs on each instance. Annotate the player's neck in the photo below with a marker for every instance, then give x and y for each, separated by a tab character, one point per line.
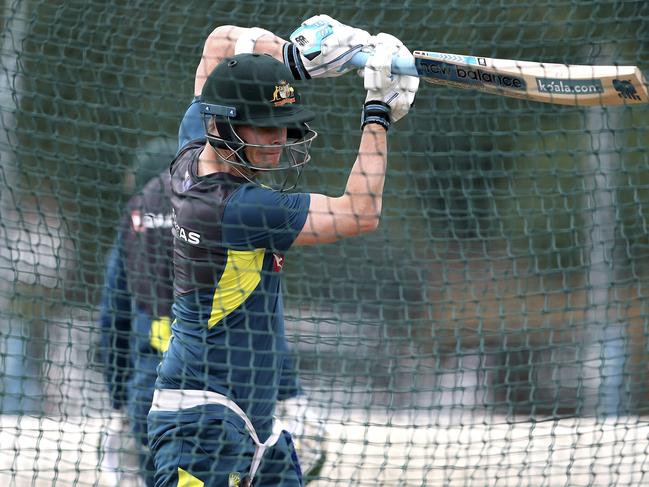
209	163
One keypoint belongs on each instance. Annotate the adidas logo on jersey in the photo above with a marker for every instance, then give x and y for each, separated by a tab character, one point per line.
183	234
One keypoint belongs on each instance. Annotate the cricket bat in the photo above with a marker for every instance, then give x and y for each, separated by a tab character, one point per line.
562	84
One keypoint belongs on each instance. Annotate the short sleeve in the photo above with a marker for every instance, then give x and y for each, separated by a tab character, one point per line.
191	126
256	217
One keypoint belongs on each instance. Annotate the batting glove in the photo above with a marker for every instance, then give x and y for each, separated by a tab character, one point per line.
321	47
396	91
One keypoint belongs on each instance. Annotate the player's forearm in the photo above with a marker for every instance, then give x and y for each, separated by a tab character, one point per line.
221	44
366	180
358	211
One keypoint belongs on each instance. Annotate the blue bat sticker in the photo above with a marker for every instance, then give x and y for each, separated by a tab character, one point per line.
457	58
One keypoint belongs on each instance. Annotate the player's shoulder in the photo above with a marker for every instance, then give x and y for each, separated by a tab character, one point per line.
255	190
253	194
183	168
251	202
186	154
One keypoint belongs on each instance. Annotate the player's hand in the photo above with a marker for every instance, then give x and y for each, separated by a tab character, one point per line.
396	91
326	45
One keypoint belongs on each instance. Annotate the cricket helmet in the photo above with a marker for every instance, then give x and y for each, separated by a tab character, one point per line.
255	90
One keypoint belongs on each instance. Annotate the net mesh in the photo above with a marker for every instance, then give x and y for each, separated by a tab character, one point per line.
493	331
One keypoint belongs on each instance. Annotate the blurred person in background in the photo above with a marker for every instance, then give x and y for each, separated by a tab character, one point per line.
135	315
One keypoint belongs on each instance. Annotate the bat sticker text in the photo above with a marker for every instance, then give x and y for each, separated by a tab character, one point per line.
569	86
467	75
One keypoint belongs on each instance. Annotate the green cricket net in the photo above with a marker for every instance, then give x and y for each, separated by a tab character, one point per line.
493	331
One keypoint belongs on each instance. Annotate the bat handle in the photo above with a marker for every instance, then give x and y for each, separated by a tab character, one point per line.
400	65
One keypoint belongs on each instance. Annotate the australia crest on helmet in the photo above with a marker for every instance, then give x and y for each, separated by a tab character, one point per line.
283	94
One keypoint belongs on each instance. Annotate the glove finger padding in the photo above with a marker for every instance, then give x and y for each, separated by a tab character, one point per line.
377	76
326	46
397	91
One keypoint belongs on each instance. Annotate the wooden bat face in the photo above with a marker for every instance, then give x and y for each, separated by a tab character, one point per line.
545	82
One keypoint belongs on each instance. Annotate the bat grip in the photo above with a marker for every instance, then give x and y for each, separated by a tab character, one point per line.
400	65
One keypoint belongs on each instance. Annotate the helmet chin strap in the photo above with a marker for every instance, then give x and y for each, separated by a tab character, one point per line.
244	165
247	172
228	136
223	143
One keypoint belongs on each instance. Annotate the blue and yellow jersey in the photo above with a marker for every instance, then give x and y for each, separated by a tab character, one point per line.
230	238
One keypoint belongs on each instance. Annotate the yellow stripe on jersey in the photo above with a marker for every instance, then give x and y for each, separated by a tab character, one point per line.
185	479
160	334
241	276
